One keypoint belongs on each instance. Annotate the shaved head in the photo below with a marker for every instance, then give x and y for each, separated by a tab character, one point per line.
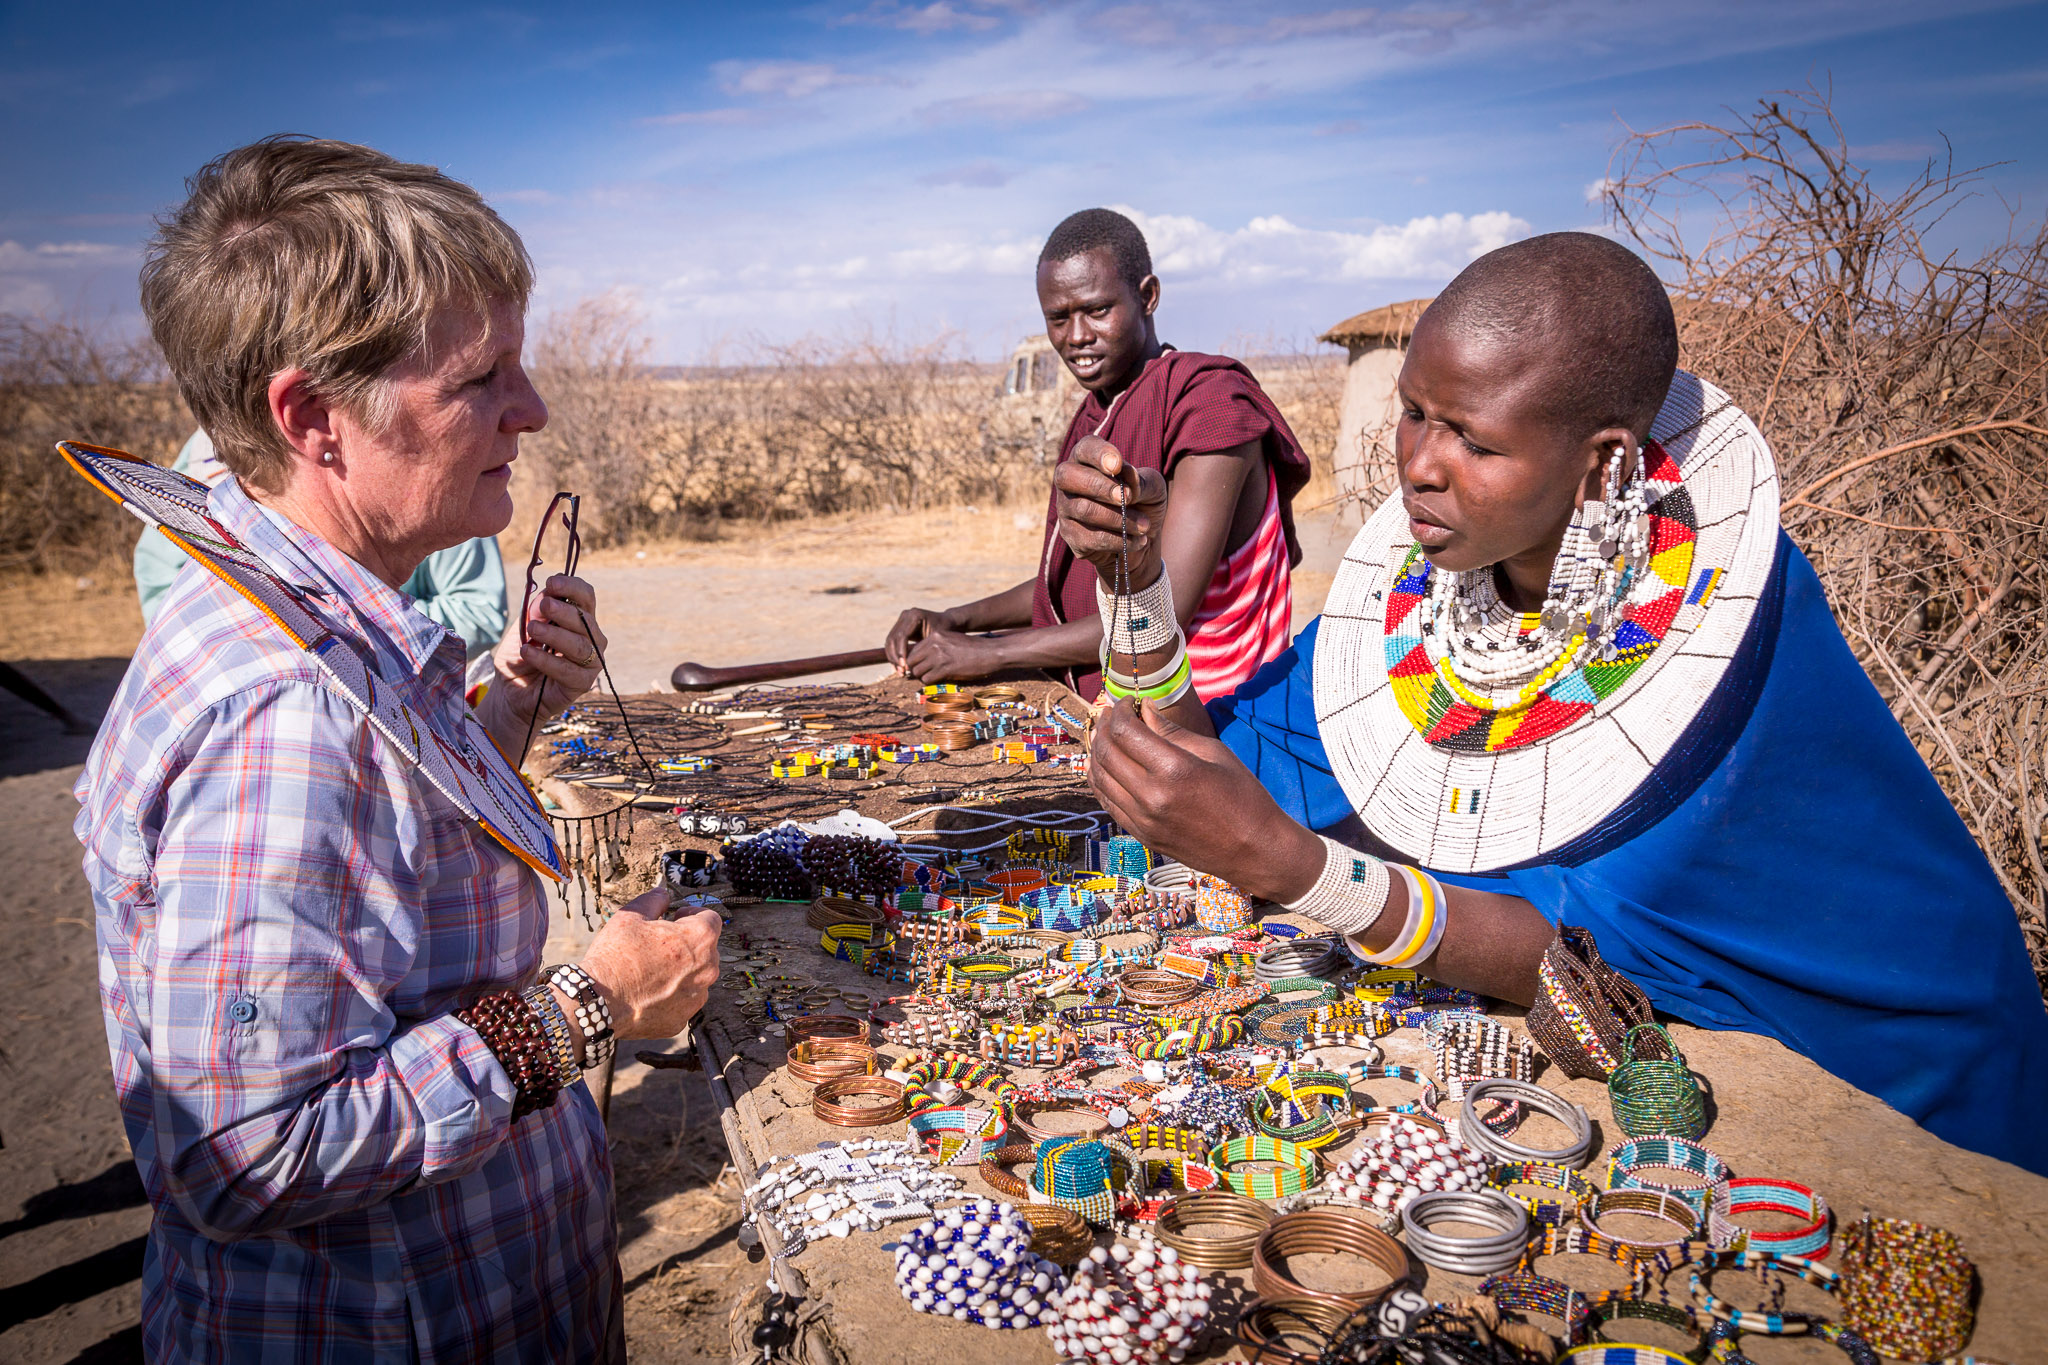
1588	310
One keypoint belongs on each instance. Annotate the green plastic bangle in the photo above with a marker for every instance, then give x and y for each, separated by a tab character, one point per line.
1165	689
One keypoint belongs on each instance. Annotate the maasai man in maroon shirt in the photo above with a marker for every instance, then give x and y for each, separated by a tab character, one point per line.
1203	421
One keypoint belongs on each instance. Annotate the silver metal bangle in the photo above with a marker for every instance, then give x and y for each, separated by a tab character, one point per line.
1482	1139
1476	1256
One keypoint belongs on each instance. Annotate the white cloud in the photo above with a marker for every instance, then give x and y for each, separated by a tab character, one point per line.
50	278
785	80
1596	190
57	255
1005	107
938	17
1272	248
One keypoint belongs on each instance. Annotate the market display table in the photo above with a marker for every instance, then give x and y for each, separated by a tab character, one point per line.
1774	1114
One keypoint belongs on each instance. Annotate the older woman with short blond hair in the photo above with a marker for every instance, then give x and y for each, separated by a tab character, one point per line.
353	1098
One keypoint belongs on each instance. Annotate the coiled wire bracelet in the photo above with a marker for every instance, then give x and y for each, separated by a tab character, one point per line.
1328	1231
816	1060
1573	1116
1478	1256
826	1101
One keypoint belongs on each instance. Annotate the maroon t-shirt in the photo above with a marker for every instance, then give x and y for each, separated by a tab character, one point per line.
1182	403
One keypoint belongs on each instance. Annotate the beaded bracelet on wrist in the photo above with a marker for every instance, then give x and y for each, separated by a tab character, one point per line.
513	1032
593	1012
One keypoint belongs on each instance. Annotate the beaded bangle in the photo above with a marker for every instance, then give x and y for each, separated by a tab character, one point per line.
1555	1240
960	1136
955	1067
1756	1194
1546	1212
1709	1195
1653	1203
1424	1103
1526	1292
1351	1019
513	1032
1906	1288
1226	1001
1219	906
593	1012
1608	1353
1081	1173
1298	1167
1705	1261
1207	1036
1280	1025
1275	1109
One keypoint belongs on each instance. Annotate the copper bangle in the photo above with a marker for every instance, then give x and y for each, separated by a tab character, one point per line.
1148	988
1213	1251
1266	1328
837	1027
950	734
827	911
1057	1233
947	703
817	1060
995	1169
1331	1231
825	1101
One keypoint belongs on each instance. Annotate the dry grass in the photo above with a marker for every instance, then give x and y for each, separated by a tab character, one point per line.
1903	390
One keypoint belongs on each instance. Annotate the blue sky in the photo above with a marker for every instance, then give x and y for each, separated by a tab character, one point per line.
761	172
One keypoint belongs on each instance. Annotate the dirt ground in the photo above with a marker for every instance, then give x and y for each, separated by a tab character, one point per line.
72	1217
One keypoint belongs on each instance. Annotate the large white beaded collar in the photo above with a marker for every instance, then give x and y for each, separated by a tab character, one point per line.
470	772
1466	788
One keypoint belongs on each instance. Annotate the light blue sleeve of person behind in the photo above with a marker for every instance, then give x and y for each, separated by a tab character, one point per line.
462	587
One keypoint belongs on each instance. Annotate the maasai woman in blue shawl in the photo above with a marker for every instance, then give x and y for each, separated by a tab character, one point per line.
1586	680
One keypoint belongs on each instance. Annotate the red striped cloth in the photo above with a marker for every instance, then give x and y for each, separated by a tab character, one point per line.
1187	403
1247	616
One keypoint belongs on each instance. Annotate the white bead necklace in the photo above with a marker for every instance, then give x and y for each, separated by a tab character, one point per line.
1469	631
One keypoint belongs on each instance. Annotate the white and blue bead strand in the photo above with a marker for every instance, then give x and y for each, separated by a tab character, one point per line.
975	1264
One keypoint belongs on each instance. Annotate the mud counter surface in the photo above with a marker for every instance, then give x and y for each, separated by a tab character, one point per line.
1775	1114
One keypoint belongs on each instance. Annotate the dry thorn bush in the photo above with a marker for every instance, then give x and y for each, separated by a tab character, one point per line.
61	381
1903	390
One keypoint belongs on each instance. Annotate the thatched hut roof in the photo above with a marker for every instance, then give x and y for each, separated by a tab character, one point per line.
1388	325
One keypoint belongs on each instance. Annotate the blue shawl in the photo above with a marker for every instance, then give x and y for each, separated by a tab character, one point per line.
1792	869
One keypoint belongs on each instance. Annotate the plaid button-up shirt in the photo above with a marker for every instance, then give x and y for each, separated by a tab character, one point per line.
287	915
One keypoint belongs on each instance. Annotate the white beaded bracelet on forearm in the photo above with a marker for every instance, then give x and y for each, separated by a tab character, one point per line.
1142	622
1349	895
